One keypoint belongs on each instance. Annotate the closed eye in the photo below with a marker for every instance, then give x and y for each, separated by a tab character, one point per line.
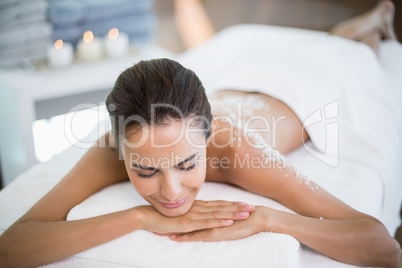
184	169
146	175
182	166
187	168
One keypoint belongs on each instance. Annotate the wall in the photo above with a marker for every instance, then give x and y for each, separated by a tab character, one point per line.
311	14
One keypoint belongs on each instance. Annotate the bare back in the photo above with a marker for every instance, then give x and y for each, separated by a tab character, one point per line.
265	119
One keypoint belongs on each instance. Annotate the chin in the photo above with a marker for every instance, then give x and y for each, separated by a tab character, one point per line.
177	211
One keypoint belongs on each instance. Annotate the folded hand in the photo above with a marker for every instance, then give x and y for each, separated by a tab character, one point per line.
202	215
257	222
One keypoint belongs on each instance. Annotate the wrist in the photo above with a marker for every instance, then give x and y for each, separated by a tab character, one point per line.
137	218
271	220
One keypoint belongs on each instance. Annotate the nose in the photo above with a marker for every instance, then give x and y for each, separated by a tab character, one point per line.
171	186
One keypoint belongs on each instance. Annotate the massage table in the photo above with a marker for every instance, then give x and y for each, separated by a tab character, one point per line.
357	108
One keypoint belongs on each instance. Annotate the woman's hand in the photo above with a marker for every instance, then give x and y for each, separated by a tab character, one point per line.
202	215
259	221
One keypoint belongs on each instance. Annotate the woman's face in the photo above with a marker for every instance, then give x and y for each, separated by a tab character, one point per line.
166	165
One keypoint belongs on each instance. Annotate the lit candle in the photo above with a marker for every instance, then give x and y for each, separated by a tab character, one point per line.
116	44
89	48
60	54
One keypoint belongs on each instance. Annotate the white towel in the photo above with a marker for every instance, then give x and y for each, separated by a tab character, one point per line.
145	249
310	258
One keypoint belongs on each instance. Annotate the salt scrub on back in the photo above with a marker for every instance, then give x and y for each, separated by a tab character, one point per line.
243	116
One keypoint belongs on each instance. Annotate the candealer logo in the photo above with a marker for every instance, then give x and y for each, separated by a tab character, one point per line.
330	141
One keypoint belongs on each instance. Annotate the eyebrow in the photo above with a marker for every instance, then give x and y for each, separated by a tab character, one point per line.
153	168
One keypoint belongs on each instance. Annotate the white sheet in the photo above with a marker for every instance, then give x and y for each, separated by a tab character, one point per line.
368	176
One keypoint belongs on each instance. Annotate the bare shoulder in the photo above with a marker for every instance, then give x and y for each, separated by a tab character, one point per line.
233	158
98	168
250	168
274	177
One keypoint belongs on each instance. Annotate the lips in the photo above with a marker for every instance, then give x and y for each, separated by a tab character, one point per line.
174	205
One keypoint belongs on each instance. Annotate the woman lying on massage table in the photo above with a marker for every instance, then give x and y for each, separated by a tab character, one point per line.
167	141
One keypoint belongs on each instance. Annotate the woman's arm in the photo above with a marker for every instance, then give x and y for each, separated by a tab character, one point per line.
32	243
42	242
42	235
362	241
343	234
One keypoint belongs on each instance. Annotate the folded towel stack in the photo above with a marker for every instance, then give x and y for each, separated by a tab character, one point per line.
24	31
71	18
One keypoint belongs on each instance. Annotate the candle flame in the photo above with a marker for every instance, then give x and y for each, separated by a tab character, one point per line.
113	33
58	44
88	37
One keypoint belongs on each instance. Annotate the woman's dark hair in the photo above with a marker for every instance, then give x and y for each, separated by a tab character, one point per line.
157	91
